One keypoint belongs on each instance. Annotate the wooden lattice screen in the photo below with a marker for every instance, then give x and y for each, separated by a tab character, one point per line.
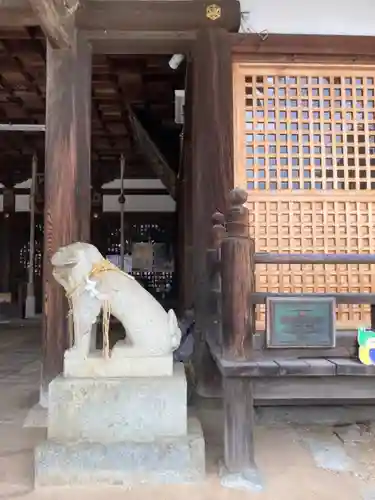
305	149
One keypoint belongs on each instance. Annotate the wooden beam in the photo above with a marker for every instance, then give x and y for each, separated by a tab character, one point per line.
327	45
17	13
158	15
67	184
127	15
147	148
57	20
140	42
314	258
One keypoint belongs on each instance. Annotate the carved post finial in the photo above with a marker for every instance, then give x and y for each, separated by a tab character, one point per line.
218	219
238	214
237	276
218	229
238	197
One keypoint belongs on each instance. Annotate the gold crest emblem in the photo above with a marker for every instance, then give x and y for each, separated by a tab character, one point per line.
213	12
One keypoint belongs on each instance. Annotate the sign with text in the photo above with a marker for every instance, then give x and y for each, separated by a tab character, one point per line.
301	322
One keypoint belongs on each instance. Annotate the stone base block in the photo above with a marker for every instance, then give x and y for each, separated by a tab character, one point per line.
108	410
121	364
162	461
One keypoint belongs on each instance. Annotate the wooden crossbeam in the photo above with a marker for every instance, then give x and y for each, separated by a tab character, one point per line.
57	16
15	13
159	15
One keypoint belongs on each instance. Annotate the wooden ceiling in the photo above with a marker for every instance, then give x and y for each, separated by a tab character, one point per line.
147	83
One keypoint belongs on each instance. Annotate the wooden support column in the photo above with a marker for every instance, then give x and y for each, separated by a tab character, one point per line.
6	239
212	163
97	237
67	184
238	325
185	203
237	281
238	425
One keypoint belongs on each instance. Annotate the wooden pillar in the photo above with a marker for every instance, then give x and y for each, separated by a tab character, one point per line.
185	204
238	424
97	237
238	327
6	238
237	280
212	162
210	383
67	184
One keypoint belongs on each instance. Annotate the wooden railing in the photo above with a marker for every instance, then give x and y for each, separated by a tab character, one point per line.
232	265
232	338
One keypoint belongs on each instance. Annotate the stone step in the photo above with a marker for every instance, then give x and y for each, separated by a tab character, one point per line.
161	461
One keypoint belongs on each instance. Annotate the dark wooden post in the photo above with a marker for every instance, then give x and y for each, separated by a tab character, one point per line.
212	163
97	237
67	184
238	424
214	274
210	382
185	204
6	238
238	325
238	281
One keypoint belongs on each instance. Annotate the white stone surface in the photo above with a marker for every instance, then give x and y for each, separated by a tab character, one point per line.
161	461
117	366
118	409
306	17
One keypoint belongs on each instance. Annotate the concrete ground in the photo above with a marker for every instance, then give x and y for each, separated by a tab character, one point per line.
295	461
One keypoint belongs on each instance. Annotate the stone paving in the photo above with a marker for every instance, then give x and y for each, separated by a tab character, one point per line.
295	462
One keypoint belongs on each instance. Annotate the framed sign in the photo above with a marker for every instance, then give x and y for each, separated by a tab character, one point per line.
300	322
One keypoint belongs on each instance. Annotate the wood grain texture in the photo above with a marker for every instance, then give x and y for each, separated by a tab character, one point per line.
313	258
238	424
259	367
17	13
212	158
297	391
212	144
67	183
57	20
329	45
237	281
210	382
157	15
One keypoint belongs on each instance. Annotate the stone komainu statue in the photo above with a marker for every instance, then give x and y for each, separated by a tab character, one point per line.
92	284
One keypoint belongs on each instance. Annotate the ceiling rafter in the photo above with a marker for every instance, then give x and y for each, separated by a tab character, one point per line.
138	81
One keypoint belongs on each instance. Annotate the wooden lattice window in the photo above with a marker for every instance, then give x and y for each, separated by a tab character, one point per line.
305	149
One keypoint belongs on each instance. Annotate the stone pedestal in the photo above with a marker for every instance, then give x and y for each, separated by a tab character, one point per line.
124	430
121	364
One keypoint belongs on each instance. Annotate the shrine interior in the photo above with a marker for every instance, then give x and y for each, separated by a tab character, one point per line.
134	117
